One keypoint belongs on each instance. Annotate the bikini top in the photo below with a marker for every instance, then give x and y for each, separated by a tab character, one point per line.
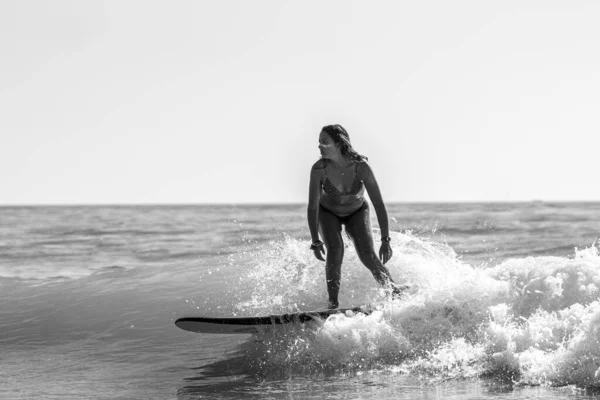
330	189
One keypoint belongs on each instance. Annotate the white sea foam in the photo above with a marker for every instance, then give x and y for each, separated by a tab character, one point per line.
534	320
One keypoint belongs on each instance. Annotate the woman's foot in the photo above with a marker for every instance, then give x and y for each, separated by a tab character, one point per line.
398	290
332	305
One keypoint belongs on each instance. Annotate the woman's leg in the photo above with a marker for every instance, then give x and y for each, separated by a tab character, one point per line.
358	226
331	232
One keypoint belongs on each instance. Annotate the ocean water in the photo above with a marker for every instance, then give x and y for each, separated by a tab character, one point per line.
505	303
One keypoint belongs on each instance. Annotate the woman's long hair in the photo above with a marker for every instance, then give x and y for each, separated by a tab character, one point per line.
341	138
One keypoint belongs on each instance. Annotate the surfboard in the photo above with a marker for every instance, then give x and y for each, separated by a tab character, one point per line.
236	325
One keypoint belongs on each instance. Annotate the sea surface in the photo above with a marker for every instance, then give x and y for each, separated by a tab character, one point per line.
504	303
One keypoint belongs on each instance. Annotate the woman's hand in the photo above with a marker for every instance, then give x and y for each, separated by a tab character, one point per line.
319	250
320	253
385	252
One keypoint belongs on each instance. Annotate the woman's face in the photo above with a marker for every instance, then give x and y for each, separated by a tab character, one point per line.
327	146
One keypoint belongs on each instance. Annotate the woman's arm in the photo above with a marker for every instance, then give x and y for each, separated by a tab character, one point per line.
314	197
368	178
385	251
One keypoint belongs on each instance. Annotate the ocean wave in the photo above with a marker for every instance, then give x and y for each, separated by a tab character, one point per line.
533	320
49	274
92	232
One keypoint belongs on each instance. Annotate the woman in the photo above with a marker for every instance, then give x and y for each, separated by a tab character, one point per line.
336	197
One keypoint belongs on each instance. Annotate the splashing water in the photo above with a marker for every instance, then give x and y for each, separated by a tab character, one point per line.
533	320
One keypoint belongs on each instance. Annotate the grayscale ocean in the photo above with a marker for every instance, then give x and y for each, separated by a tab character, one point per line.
504	304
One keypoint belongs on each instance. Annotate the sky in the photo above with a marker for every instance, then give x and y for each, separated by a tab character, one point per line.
222	101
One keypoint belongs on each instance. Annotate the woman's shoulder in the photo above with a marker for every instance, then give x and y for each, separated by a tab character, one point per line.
362	165
321	163
363	169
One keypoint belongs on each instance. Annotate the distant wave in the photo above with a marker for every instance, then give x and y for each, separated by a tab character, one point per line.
102	232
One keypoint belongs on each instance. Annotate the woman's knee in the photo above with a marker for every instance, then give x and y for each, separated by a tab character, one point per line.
362	239
335	252
368	257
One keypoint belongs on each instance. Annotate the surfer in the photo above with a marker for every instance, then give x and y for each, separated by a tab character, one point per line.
336	197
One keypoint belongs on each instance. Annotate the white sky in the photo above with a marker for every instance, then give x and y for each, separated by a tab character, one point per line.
222	100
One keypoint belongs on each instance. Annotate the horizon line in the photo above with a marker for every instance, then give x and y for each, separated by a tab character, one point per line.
267	203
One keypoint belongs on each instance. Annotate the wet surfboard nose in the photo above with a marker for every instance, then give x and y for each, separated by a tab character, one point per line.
251	324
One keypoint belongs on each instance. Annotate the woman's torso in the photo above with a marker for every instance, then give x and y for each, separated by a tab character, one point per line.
342	196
